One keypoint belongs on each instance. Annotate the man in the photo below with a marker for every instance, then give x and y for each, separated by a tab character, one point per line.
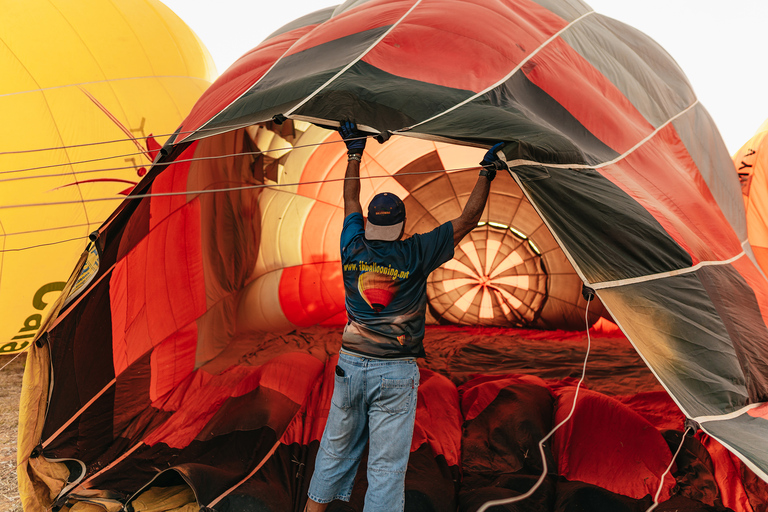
374	396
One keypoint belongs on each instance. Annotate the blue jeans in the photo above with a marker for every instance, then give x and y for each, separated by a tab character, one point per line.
374	399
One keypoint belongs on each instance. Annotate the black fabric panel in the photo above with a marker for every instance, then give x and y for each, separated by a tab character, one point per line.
430	484
580	496
517	418
80	346
677	329
694	473
738	308
282	87
608	234
280	485
509	486
209	467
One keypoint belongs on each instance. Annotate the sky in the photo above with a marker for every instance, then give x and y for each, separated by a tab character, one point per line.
721	46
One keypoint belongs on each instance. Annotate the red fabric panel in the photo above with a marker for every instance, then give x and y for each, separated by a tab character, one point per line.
377	14
424	47
128	313
588	95
310	422
158	288
695	221
311	293
172	179
321	234
727	474
339	319
759	412
438	417
197	400
607	444
657	407
477	394
172	361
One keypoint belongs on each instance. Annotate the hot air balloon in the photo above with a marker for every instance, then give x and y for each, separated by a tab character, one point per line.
84	89
208	330
751	165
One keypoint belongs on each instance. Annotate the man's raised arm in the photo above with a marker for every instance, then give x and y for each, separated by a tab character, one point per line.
355	141
470	216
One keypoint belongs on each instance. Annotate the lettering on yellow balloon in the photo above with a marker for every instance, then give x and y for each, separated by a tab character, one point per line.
32	322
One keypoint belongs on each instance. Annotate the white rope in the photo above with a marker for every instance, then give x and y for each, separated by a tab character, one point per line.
355	61
514	499
669	468
12	360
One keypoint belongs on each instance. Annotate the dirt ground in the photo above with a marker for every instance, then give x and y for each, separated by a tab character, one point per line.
10	390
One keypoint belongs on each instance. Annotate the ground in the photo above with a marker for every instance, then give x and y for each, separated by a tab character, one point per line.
10	391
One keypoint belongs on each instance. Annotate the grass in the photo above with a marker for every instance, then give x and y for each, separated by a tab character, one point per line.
10	391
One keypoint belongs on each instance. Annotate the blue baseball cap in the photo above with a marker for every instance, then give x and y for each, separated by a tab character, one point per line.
386	216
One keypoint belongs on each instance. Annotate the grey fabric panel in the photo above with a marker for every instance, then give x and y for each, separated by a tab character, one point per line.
635	64
607	233
675	327
701	137
739	310
312	18
569	10
747	435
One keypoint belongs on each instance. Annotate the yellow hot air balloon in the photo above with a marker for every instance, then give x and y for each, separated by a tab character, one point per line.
752	165
76	77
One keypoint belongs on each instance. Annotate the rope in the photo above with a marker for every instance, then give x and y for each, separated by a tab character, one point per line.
669	468
14	171
538	483
114	141
12	360
235	189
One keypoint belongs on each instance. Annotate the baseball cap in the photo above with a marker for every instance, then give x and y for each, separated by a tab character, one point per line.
386	216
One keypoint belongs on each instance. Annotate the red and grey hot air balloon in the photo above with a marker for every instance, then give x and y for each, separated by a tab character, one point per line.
197	364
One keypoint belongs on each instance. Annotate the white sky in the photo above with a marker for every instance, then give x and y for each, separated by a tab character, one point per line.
721	46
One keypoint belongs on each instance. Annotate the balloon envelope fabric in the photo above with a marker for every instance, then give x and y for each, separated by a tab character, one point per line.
85	90
196	332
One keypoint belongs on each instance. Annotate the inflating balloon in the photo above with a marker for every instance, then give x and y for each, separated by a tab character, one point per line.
209	328
75	79
751	164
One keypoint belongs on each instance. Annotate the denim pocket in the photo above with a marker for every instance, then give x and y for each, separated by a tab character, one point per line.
340	396
395	397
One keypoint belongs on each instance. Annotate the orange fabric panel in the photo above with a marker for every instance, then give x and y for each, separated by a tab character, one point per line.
607	444
321	234
311	293
327	161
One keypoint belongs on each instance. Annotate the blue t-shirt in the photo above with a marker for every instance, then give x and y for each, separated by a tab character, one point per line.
386	288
